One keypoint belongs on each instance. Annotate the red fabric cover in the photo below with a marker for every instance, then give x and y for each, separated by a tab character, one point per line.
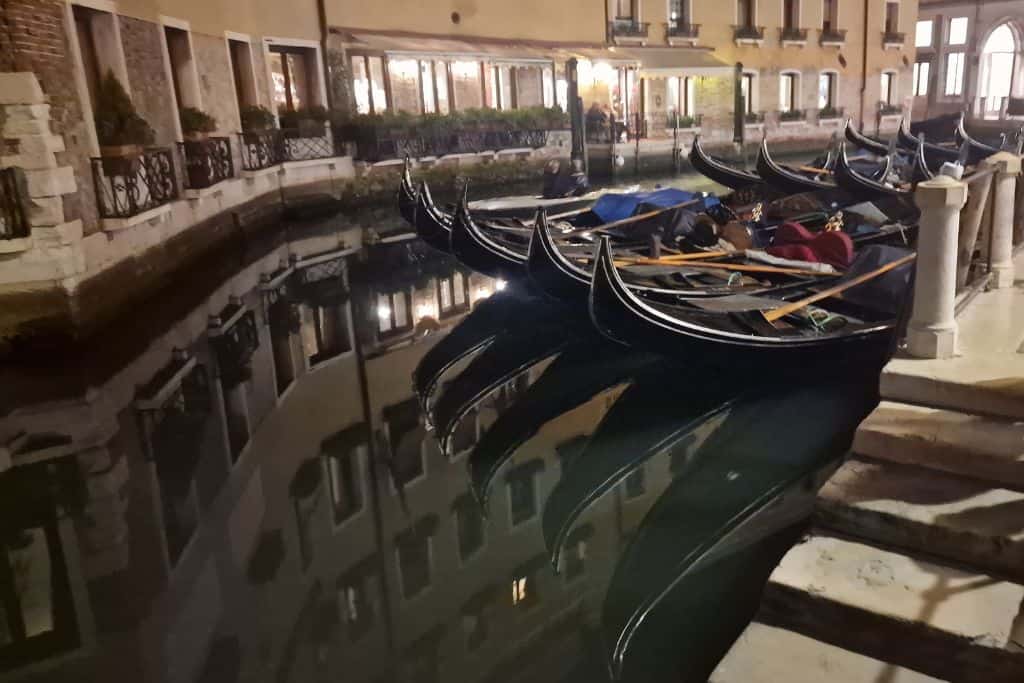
834	248
791	232
795	252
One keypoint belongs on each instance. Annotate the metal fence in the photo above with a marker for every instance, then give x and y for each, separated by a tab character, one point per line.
377	144
206	162
127	186
13	221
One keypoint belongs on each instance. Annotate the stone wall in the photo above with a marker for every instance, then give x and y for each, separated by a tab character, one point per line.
216	81
142	42
32	39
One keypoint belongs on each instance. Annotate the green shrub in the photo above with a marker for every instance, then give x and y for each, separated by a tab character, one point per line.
196	121
256	118
117	121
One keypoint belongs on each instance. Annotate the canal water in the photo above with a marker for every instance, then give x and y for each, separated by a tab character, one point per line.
308	462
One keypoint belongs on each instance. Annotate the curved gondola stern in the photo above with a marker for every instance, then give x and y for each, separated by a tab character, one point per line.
433	225
605	303
407	195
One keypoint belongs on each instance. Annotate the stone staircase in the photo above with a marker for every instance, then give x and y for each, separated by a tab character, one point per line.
914	569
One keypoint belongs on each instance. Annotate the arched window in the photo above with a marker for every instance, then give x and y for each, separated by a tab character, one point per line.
997	57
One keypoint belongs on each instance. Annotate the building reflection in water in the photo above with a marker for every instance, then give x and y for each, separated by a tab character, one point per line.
256	495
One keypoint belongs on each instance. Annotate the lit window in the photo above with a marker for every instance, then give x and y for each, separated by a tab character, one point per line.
827	90
955	73
887	87
921	70
787	92
923	36
522	592
747	89
958	30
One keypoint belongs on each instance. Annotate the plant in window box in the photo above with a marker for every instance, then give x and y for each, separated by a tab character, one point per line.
792	115
121	131
686	121
256	119
829	113
196	125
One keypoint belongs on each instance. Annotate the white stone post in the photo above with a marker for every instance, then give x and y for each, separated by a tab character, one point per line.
932	330
1001	254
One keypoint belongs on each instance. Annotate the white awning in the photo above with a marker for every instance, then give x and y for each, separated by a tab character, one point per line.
662	62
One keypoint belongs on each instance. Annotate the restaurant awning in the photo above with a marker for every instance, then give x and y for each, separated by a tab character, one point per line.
661	62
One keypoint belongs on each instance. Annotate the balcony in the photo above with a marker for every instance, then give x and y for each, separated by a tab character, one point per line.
261	149
129	185
832	37
748	34
264	149
681	32
792	116
207	162
789	35
893	38
13	221
628	31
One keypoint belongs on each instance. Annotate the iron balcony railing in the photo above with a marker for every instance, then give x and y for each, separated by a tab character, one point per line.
682	29
789	33
377	143
832	36
893	37
126	186
263	149
748	32
628	28
13	221
207	162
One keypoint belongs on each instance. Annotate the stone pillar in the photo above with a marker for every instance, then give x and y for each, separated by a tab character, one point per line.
932	331
1001	255
977	199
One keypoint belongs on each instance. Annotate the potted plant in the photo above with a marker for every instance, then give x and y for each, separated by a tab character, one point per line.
256	119
196	124
121	131
303	123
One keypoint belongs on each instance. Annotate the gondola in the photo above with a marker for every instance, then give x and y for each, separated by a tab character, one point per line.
407	196
718	334
581	372
432	225
481	252
976	147
861	185
935	153
720	172
861	141
786	179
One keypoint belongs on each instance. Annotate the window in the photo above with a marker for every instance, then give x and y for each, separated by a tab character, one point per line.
829	15
474	626
624	9
469	524
240	53
368	85
393	313
954	73
524	594
788	92
292	73
405	434
344	476
745	13
183	67
958	30
681	95
324	331
747	89
921	78
923	34
357	607
636	483
827	90
677	13
887	93
791	14
892	17
574	560
452	296
996	70
99	47
412	549
522	496
548	86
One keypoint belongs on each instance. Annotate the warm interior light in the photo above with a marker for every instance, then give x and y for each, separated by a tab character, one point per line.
403	68
465	69
499	285
604	73
384	312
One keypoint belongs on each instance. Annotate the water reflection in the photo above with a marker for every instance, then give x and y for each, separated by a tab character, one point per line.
377	466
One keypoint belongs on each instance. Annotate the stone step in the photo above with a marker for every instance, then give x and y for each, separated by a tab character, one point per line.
947	623
981	447
767	654
981	384
927	512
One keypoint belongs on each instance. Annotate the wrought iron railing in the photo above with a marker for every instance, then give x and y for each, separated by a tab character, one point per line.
127	186
13	221
792	34
207	162
832	36
683	122
298	145
261	149
748	32
628	28
378	143
893	37
680	29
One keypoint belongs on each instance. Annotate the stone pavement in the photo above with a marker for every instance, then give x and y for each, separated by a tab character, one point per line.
915	568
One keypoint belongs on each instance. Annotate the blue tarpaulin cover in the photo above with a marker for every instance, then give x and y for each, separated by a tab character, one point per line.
613	207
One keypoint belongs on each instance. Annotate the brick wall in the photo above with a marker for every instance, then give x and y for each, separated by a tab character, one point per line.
142	42
32	38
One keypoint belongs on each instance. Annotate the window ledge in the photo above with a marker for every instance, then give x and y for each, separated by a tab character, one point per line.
691	129
830	121
790	124
833	43
212	191
15	245
892	46
157	213
758	124
794	43
676	41
749	41
310	163
270	170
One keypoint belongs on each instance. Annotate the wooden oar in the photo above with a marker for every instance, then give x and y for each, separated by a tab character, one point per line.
758	269
568	214
634	219
811	169
673	260
782	311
